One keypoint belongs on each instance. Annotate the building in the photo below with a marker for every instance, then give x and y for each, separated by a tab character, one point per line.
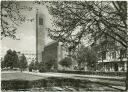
112	55
51	51
40	35
54	51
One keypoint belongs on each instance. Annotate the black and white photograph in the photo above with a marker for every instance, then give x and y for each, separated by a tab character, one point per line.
60	45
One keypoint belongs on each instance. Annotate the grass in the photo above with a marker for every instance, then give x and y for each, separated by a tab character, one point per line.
97	83
20	76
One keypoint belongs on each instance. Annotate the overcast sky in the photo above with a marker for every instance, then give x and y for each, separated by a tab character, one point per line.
26	32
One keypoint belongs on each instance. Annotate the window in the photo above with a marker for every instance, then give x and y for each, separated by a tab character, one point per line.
123	53
104	55
40	21
113	55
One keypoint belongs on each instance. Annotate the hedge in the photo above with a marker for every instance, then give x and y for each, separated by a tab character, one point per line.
120	74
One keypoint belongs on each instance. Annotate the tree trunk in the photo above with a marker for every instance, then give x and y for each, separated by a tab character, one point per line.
127	59
127	69
21	70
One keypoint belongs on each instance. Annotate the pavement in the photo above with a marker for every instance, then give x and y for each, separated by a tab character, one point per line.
52	74
67	75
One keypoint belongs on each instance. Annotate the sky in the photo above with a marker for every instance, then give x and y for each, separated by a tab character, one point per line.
27	31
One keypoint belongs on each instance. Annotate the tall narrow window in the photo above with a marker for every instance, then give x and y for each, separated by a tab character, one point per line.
113	55
123	53
40	21
104	55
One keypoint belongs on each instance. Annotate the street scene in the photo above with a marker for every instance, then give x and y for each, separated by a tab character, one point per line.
64	46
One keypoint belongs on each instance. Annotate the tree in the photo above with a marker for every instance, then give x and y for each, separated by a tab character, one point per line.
66	62
42	67
23	62
15	59
8	60
50	64
86	56
36	65
3	64
11	59
75	21
12	16
31	66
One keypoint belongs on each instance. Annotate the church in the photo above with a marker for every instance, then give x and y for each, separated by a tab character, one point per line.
51	51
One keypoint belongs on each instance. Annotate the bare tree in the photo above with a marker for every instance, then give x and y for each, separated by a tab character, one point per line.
75	21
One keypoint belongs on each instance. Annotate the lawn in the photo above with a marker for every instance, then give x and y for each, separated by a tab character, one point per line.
95	84
20	76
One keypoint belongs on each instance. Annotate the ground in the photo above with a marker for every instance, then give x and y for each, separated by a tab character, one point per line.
86	82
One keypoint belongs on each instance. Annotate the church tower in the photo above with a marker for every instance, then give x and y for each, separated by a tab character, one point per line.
40	35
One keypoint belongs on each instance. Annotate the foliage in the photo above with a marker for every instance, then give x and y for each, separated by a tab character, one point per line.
3	64
42	67
78	20
12	16
86	56
23	62
50	64
11	59
15	59
66	62
8	59
36	65
81	20
31	66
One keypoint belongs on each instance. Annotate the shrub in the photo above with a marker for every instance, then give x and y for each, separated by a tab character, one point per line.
66	62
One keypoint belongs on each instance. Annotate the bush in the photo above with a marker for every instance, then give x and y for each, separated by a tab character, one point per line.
121	74
51	65
66	62
31	66
41	67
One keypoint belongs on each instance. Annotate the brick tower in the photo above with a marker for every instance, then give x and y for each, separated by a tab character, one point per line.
40	35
